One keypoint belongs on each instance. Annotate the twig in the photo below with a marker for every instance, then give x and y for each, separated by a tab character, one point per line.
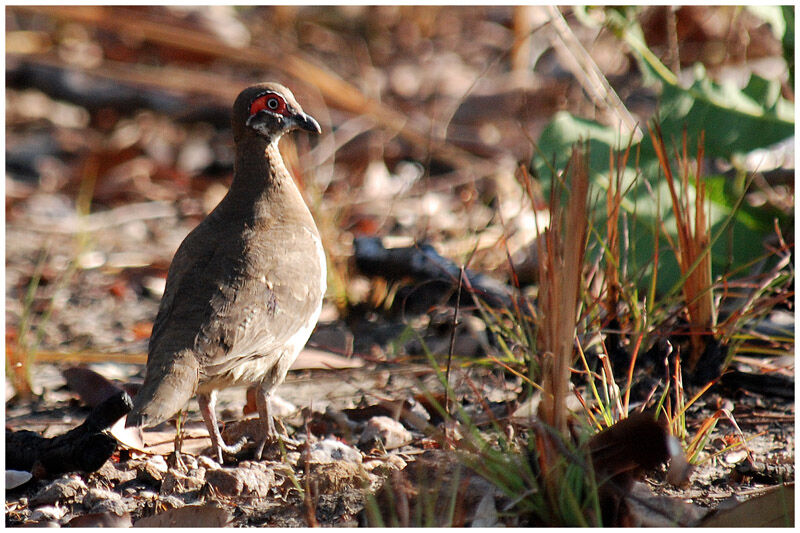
452	342
589	75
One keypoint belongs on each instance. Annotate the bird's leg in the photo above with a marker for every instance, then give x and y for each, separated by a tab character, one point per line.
265	417
175	460
269	433
206	401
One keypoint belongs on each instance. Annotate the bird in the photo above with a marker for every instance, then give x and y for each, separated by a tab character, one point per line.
245	288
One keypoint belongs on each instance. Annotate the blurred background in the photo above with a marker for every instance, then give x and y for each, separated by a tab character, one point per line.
118	141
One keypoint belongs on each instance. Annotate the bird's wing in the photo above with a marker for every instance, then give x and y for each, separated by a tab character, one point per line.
266	306
190	287
230	302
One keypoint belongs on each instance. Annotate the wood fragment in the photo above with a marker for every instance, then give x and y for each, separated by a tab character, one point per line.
84	448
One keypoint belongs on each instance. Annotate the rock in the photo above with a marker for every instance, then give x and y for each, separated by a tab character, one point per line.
249	478
170	502
115	507
153	470
389	432
16	478
116	473
336	476
64	490
48	513
331	450
176	482
208	463
95	495
385	465
102	501
340	508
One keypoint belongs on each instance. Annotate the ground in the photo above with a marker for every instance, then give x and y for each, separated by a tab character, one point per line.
118	144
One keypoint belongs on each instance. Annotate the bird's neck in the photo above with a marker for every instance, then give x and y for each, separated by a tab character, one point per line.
262	187
258	168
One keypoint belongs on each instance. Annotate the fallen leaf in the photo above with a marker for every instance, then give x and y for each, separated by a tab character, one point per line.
645	509
773	508
310	359
15	478
205	515
107	519
92	388
129	437
486	513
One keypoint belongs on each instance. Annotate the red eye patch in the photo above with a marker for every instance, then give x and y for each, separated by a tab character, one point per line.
271	102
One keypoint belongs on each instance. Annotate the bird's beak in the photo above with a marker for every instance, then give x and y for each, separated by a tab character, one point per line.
307	123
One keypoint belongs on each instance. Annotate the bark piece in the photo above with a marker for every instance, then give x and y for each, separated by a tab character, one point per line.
422	263
84	448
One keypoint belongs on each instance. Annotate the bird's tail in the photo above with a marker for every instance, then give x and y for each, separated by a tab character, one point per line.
168	386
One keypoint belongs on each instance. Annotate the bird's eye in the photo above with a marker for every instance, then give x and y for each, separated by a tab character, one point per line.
271	102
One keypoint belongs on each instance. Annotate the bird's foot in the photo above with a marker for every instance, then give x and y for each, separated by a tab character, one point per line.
230	449
274	439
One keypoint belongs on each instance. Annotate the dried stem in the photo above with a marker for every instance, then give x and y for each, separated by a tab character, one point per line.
560	269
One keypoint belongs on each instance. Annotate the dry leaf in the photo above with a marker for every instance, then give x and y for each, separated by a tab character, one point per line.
317	359
107	519
129	437
92	388
15	478
206	515
773	508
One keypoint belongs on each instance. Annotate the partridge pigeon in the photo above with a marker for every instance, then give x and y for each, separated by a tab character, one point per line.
245	287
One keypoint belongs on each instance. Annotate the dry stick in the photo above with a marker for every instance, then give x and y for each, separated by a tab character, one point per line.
588	74
673	59
336	91
452	346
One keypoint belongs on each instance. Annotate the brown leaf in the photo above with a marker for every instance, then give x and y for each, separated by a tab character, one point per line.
773	508
128	437
206	515
622	453
317	359
107	519
195	440
92	388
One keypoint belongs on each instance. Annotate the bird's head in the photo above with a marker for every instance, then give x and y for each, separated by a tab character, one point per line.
269	110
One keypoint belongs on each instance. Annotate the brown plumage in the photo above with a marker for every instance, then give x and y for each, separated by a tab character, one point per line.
245	287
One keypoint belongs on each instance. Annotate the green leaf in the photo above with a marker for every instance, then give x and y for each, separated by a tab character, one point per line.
735	121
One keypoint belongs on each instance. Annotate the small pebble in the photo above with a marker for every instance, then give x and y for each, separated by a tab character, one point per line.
48	512
331	450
